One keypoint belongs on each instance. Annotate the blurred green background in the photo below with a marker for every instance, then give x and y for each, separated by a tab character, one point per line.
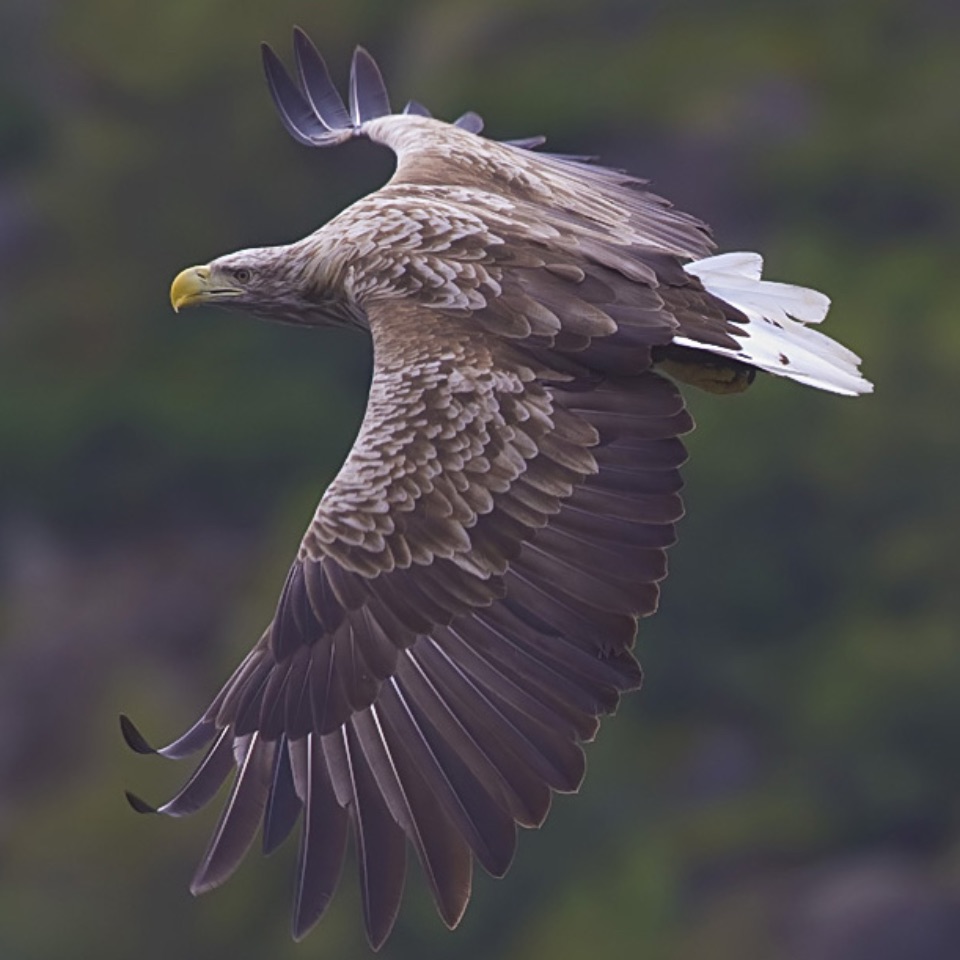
787	784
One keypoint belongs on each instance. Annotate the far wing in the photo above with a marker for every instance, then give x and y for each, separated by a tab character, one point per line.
433	153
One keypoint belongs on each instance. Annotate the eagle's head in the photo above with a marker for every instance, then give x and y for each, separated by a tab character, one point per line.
273	283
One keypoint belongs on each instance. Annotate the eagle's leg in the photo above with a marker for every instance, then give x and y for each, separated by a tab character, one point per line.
707	371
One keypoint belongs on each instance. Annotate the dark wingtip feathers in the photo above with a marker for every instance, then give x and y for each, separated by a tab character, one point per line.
197	737
141	806
368	92
133	738
296	114
417	109
322	95
470	121
313	112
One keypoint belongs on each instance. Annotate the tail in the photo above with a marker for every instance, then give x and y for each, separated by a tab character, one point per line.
776	337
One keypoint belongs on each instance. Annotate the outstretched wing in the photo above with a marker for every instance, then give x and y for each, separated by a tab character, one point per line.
463	604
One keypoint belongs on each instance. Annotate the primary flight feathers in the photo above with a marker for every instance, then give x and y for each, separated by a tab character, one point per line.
462	608
314	112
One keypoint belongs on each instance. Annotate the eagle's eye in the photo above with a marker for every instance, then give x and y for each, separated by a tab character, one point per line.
242	275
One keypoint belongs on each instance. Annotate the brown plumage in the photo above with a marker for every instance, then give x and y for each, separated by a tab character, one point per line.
463	604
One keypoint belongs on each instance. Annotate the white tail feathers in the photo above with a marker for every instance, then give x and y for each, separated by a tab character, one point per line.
777	338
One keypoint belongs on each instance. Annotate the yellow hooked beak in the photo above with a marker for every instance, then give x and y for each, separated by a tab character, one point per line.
203	285
190	286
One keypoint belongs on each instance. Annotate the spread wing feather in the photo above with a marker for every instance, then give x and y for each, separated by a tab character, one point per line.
323	838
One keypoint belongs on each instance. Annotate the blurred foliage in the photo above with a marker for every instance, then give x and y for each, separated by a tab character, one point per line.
800	711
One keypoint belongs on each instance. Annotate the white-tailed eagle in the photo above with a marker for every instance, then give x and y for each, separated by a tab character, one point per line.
462	608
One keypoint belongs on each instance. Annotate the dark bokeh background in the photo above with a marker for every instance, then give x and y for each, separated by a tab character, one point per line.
787	785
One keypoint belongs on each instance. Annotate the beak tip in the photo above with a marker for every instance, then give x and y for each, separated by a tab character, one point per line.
189	286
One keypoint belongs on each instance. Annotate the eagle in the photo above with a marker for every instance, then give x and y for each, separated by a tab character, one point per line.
463	606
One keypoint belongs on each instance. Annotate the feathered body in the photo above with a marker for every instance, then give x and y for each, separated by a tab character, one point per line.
463	605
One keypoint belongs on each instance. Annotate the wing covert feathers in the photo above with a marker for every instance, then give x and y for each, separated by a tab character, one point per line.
462	609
